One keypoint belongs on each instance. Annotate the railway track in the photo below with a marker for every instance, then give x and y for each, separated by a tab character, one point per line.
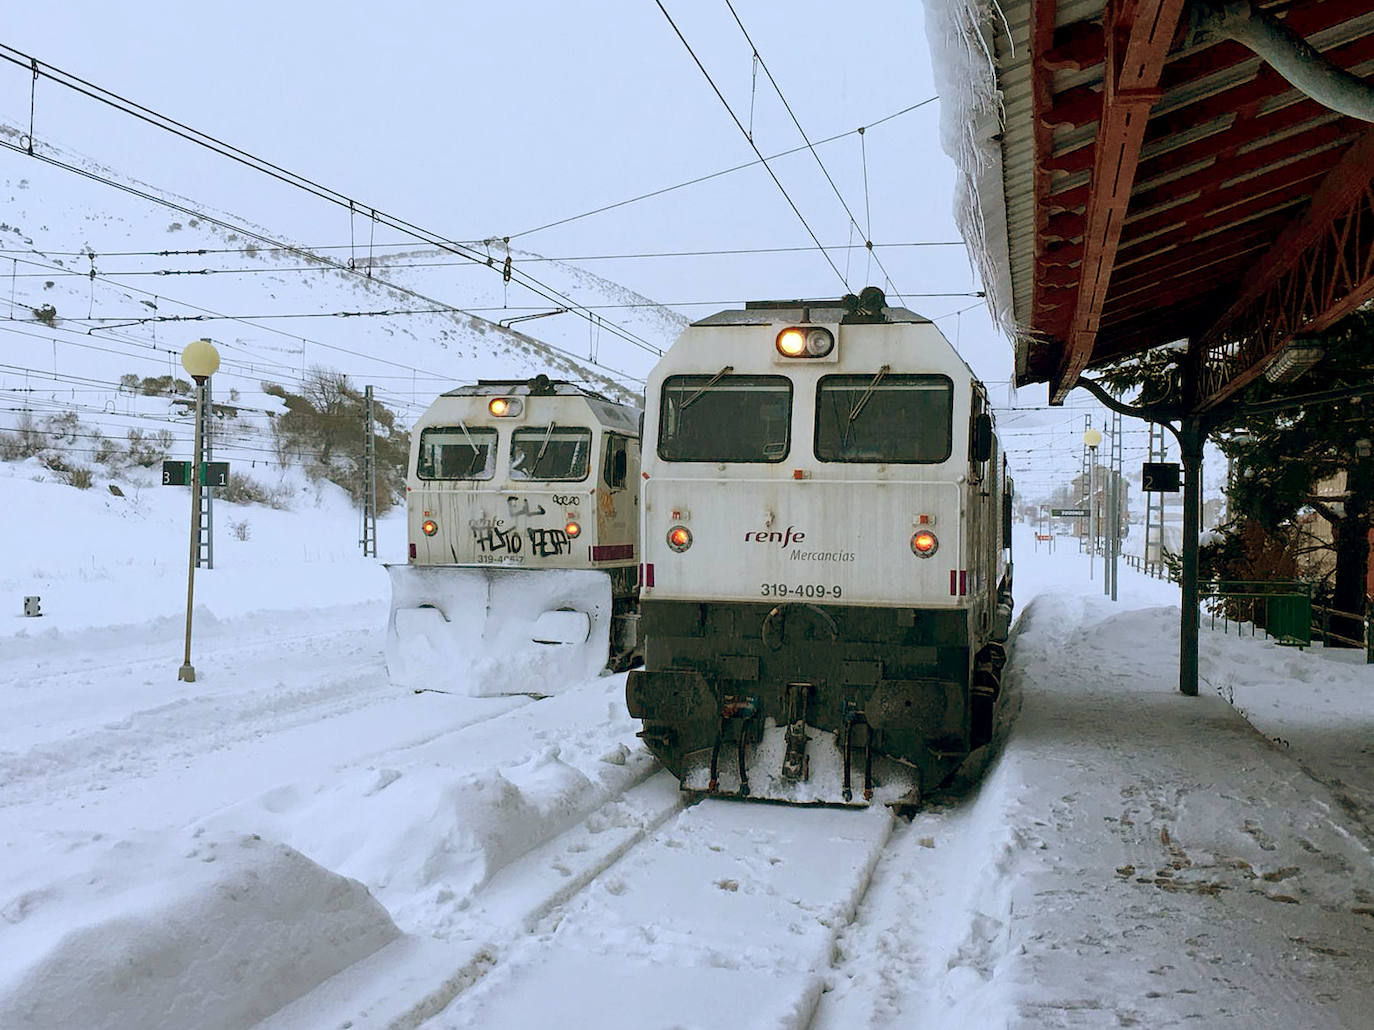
716	913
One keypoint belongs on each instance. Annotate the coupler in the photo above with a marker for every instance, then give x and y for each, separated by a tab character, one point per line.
743	709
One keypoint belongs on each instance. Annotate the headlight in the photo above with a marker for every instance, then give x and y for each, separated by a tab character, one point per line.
805	342
791	343
429	527
679	538
924	544
505	407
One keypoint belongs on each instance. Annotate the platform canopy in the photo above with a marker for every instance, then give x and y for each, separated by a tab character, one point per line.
1144	172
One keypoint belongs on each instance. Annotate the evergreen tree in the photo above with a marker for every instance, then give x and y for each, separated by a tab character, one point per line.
1280	460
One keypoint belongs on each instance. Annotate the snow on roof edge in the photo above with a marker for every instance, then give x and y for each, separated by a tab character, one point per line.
960	33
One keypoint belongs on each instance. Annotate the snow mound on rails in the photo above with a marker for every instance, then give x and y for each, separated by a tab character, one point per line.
425	837
211	932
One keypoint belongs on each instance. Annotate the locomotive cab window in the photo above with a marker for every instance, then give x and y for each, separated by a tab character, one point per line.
725	418
616	466
550	453
879	417
456	452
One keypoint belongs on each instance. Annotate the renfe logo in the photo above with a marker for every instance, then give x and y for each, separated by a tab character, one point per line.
770	537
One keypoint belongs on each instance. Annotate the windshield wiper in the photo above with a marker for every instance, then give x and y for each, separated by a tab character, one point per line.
709	383
873	384
534	472
472	465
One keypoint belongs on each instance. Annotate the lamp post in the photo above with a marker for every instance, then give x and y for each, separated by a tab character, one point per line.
200	359
1091	438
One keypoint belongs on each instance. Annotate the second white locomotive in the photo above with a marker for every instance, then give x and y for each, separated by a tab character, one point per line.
523	511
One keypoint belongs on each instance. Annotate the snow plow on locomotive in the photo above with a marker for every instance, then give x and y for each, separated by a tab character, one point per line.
522	518
826	585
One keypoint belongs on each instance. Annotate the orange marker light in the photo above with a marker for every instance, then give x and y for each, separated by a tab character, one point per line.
429	527
679	538
573	529
924	544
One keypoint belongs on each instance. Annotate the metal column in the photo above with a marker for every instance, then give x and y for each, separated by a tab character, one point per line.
1086	477
369	538
205	550
1154	507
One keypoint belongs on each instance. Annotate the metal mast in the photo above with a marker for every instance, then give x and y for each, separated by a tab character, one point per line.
205	548
369	538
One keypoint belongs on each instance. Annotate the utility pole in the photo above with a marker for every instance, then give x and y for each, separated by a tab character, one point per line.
369	540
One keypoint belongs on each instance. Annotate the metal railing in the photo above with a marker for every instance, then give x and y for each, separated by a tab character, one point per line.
1321	625
1149	568
1281	608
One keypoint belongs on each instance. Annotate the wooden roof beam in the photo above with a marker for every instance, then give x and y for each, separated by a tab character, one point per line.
1319	271
1138	34
1230	166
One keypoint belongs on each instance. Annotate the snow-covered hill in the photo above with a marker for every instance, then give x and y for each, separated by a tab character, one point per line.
106	282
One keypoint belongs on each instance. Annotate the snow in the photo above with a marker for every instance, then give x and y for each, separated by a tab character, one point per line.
292	841
961	34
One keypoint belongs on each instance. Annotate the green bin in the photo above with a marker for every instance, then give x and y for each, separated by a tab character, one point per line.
1290	619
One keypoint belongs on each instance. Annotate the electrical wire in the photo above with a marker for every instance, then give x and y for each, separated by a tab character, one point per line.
531	259
716	175
209	314
868	238
231	227
205	140
754	146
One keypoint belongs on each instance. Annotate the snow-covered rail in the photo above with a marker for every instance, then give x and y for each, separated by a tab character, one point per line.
727	917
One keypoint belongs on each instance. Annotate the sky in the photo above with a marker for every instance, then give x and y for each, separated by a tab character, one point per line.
483	120
480	121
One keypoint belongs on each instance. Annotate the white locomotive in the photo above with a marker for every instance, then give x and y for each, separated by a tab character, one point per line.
826	579
523	512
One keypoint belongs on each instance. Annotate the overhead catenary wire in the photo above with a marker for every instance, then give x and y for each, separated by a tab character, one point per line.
339	266
754	146
215	145
464	263
715	175
247	321
868	236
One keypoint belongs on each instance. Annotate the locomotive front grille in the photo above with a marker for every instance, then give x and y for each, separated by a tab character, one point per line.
699	654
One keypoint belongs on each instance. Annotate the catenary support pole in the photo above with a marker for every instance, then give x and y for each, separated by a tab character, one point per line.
369	540
1191	436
